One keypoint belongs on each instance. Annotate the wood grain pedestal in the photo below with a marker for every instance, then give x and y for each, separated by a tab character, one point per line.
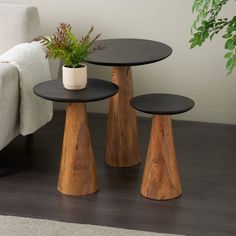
77	171
161	176
123	149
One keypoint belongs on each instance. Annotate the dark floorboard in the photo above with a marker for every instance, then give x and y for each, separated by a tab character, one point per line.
207	159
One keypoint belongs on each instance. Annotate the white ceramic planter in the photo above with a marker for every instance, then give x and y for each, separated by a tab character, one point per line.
74	78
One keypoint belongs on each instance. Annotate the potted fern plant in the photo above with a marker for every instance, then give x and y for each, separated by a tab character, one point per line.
73	52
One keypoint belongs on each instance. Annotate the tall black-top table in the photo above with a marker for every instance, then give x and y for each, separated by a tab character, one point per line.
123	148
77	171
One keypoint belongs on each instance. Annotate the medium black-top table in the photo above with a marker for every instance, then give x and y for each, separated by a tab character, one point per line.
123	148
77	171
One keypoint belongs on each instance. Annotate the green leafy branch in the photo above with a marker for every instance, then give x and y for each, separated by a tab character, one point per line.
208	24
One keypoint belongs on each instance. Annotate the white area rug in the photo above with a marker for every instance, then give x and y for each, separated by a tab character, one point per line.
18	226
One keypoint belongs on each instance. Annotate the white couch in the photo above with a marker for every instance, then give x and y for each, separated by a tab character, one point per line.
18	24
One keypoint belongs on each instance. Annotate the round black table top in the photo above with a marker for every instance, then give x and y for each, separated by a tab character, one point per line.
95	90
162	104
128	52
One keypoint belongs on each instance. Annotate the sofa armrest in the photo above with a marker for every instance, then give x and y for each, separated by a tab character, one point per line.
8	76
9	103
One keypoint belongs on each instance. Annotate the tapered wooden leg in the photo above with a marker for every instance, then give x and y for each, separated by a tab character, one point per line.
161	176
77	171
123	148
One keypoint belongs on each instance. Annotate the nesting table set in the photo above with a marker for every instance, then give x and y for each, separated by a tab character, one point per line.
77	170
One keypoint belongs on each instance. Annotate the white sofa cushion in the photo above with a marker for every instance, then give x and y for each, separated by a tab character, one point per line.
18	24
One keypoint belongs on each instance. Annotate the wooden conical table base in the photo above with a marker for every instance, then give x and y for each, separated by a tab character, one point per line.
77	171
123	149
161	176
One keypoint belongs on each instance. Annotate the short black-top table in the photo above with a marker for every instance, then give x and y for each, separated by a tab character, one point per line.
123	148
77	171
161	176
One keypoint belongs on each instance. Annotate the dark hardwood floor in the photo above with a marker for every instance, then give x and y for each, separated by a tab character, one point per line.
207	159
